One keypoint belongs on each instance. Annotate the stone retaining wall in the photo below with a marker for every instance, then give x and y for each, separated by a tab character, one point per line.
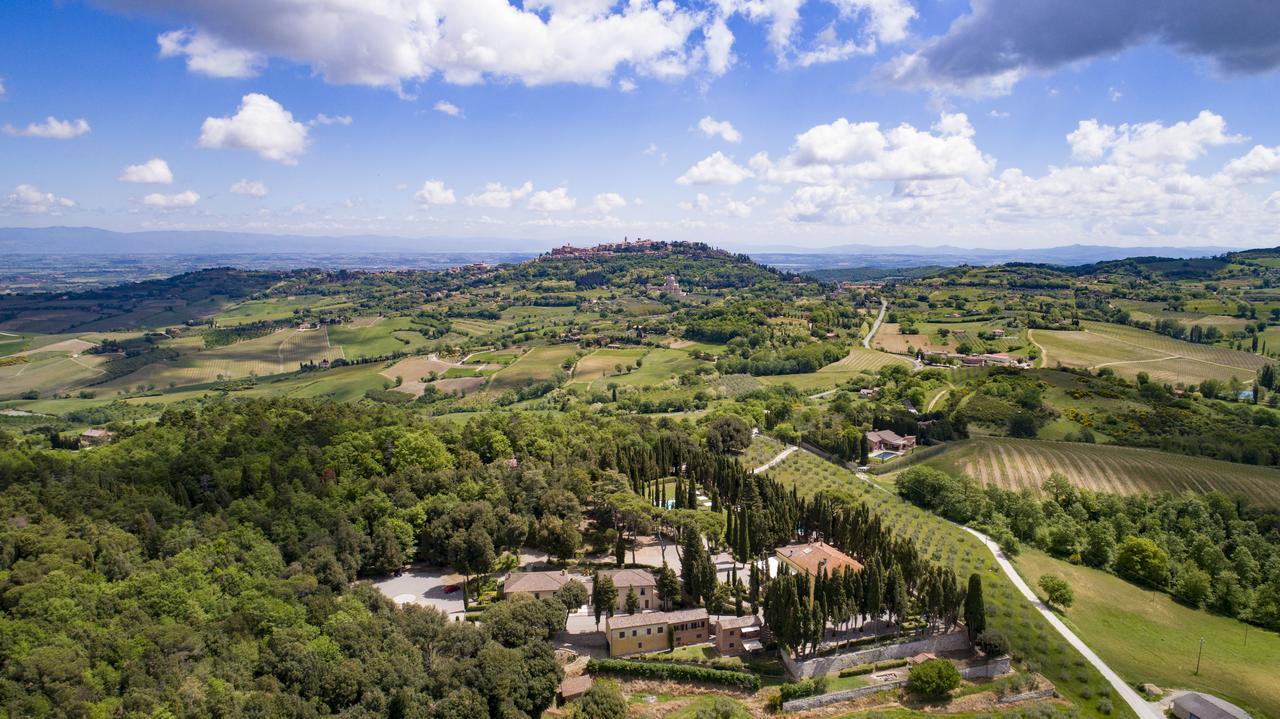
993	668
818	666
1037	694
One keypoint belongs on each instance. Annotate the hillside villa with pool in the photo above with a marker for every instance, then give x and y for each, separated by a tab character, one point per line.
890	442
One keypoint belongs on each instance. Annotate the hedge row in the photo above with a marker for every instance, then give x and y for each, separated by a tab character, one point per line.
721	663
677	672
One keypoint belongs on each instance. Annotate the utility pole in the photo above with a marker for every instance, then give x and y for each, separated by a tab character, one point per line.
1198	656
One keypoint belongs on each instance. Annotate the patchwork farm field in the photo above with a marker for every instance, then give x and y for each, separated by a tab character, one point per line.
659	365
536	365
837	373
1152	638
1026	464
49	373
1154	311
860	358
604	363
276	353
1029	633
1128	351
276	309
412	372
384	337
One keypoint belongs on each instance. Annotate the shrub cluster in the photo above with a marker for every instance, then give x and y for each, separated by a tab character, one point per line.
676	672
804	688
859	669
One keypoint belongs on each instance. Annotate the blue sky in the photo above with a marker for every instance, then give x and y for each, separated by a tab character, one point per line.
739	122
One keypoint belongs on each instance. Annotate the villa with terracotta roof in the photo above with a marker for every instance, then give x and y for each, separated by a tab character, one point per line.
815	558
625	580
737	635
540	585
656	631
883	440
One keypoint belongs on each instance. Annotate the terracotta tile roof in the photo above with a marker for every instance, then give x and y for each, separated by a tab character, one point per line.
885	435
646	619
747	620
811	558
629	578
539	581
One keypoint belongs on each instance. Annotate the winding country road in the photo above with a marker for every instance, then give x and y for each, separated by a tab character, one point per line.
1126	692
774	462
866	341
1140	706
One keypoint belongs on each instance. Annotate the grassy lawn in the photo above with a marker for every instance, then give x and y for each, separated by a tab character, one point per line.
1151	638
837	683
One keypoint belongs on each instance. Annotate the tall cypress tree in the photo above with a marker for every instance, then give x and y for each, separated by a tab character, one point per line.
975	613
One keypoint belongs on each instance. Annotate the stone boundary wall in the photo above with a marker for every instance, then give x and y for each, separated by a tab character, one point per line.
954	641
993	668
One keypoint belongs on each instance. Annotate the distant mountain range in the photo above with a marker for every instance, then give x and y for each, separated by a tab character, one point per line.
919	255
93	241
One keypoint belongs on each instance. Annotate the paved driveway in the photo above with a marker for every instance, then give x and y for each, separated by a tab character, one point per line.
425	586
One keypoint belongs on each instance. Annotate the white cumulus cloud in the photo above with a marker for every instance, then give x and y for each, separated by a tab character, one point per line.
180	199
557	200
323	119
607	202
434	192
389	43
252	188
152	172
723	129
31	200
844	150
207	55
447	108
723	206
497	195
1258	165
261	125
717	169
51	129
1150	143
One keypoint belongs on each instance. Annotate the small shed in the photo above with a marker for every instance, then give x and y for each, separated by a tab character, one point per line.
1195	705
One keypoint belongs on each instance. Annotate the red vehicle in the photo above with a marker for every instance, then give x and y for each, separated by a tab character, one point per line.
451	588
